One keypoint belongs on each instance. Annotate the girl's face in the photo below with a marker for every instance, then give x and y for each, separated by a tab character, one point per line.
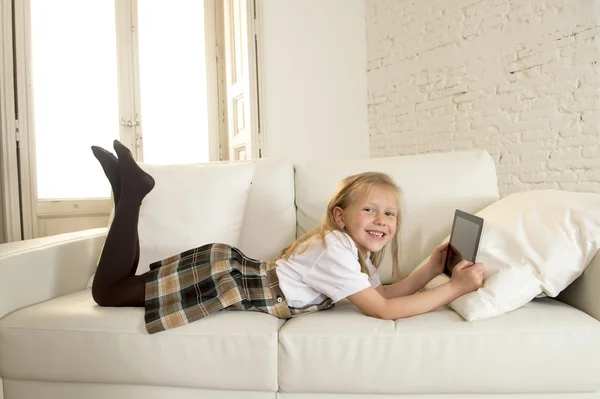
371	219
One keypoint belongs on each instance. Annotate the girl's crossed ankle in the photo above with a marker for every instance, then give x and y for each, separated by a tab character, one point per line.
135	183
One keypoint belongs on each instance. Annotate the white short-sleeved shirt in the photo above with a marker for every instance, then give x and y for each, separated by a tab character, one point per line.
322	272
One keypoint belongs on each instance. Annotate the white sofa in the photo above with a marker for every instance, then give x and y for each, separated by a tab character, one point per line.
56	343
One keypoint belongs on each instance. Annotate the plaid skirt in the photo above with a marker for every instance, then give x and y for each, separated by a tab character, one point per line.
191	285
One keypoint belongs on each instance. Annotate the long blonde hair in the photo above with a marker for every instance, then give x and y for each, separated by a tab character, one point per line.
349	190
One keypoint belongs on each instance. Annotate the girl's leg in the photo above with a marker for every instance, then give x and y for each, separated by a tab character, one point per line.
110	165
113	284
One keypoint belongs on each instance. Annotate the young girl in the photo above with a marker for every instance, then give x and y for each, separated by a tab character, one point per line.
337	260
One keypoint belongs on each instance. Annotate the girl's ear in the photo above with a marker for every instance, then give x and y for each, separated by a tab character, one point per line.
338	216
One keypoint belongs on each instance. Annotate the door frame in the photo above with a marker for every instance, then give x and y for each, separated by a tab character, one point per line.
26	169
10	223
217	107
249	89
257	30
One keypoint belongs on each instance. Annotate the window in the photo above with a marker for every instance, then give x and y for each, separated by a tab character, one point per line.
173	81
158	76
75	94
86	61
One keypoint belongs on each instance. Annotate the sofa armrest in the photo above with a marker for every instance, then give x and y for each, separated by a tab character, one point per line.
36	270
584	293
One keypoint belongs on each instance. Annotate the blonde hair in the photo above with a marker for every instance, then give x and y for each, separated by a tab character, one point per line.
349	190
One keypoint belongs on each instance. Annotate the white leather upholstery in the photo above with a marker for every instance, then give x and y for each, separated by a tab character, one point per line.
433	186
36	270
569	395
72	339
61	390
546	346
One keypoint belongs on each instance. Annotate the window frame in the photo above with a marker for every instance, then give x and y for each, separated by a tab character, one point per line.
22	172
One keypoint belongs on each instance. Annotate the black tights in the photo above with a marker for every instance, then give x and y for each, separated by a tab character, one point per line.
115	283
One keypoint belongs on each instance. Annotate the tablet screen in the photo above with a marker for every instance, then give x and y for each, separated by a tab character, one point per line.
464	240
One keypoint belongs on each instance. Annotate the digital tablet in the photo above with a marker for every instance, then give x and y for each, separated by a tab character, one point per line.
464	239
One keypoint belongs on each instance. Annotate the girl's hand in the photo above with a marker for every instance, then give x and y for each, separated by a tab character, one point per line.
467	277
437	260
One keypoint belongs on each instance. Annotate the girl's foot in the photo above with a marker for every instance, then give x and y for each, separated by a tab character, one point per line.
110	165
135	183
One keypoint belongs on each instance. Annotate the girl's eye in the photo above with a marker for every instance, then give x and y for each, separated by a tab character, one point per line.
392	214
368	210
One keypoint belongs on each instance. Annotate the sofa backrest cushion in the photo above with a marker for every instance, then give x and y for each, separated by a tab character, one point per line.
270	219
433	186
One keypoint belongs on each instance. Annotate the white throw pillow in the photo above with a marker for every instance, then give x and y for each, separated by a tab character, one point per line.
191	205
533	243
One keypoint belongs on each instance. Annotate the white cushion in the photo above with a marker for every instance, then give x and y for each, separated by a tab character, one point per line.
546	346
271	192
270	218
192	205
535	242
72	339
433	186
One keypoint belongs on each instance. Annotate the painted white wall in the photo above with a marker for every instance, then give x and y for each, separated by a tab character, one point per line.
520	79
314	79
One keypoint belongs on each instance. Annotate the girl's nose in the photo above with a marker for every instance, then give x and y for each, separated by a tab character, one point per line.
379	220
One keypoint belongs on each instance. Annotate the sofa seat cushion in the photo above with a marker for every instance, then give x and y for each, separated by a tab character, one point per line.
546	346
71	339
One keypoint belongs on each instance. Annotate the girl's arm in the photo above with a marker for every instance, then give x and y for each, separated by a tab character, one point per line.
418	279
466	278
407	286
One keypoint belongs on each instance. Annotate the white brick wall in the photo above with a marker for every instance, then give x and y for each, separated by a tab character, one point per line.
518	78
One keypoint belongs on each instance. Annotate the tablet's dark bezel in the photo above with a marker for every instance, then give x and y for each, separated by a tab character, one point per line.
472	218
